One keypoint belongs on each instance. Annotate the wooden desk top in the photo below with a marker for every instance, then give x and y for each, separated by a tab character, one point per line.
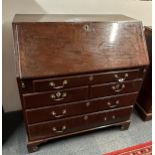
30	18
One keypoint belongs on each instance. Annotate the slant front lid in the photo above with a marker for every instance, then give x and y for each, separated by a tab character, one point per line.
51	48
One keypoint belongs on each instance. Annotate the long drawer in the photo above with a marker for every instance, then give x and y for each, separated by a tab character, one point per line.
40	99
73	124
81	80
115	88
77	108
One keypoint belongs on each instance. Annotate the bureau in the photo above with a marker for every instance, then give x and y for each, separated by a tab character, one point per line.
77	73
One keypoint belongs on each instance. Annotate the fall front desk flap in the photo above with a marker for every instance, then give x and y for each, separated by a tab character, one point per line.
81	43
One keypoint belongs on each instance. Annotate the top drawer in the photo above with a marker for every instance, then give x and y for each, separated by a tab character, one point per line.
60	83
81	80
115	76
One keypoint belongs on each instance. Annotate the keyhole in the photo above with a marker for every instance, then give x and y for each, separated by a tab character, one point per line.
86	27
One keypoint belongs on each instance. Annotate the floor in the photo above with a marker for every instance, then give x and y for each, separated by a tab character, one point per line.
94	143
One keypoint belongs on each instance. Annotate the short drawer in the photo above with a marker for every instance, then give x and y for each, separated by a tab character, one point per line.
73	124
114	88
60	83
78	108
116	76
40	99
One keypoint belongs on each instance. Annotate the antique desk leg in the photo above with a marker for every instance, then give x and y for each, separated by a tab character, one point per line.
125	126
32	147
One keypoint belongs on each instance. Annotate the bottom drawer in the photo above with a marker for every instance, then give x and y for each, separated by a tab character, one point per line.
74	124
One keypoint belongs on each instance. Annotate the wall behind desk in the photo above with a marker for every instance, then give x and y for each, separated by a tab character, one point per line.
133	8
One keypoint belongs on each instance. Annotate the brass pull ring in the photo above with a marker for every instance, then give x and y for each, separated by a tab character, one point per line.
59	116
113	105
121	79
52	84
59	131
118	87
58	96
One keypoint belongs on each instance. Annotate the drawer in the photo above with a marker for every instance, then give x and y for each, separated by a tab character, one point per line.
40	99
73	124
71	109
116	76
60	83
115	88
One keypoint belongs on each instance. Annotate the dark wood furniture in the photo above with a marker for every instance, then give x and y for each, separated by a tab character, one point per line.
144	101
77	73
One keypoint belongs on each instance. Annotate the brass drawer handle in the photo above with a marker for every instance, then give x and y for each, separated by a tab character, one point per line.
59	116
113	105
58	96
118	87
52	84
119	79
59	131
113	117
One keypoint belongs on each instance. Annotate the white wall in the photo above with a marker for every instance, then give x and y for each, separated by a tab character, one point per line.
133	8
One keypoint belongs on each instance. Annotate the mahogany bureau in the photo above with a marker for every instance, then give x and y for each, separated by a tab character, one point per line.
77	73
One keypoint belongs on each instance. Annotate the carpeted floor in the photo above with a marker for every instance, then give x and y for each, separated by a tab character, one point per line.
94	143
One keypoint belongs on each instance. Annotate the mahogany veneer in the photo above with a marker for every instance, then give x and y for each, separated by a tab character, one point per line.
77	73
